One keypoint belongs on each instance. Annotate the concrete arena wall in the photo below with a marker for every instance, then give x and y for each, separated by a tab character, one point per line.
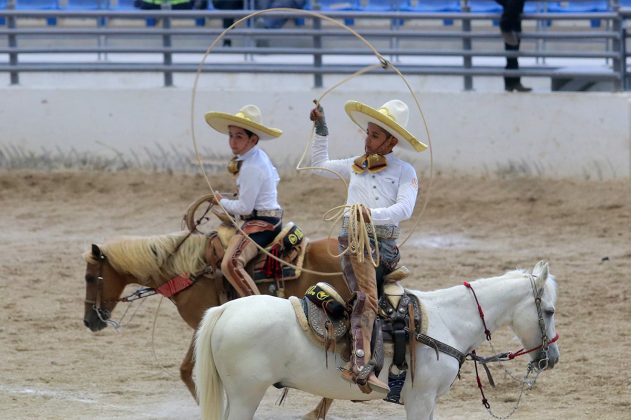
560	135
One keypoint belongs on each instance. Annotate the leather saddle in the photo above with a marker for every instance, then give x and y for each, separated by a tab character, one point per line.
401	318
290	246
323	313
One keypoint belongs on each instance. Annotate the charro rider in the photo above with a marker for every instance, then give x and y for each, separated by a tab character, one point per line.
387	187
257	181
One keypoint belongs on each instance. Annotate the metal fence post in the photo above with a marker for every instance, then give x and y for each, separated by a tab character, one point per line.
166	43
13	43
317	44
618	63
466	46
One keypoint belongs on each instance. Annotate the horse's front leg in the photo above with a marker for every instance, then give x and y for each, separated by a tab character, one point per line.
320	411
186	369
421	407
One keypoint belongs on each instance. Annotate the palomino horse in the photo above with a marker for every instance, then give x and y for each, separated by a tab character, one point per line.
151	262
248	344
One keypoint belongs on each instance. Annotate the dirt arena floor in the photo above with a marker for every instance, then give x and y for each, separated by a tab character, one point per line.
55	368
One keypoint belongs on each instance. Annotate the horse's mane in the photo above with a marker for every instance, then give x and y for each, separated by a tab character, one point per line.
146	257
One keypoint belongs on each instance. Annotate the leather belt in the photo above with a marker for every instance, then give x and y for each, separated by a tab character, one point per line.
277	213
382	231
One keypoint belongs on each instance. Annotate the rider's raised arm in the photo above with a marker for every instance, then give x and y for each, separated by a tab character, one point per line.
320	149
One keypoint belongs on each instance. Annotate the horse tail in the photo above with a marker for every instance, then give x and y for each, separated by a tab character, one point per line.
209	385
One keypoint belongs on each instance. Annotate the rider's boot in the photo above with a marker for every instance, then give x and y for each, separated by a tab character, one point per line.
361	367
239	252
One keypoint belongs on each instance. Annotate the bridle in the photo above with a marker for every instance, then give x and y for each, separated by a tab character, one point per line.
542	363
537	365
102	313
545	341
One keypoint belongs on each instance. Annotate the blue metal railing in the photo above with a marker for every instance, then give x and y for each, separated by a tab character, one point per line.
173	36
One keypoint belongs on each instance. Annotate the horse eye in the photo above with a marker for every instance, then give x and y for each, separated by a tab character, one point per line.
549	312
89	278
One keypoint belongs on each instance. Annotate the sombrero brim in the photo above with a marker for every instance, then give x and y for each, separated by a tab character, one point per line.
362	114
220	121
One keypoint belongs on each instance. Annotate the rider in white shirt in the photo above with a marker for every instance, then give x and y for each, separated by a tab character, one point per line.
387	188
257	182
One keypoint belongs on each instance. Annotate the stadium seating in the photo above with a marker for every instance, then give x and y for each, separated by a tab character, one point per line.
434	6
3	5
89	5
129	5
337	6
485	6
581	6
386	6
39	5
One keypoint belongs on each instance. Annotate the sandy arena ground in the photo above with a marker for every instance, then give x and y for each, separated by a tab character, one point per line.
55	368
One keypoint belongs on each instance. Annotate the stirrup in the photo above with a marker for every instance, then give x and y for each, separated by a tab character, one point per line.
372	384
377	384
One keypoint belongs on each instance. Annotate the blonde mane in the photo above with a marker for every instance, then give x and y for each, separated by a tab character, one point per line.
153	257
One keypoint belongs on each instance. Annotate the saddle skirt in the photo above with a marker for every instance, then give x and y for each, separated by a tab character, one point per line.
321	313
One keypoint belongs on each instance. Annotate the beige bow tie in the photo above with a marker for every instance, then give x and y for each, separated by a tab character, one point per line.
371	162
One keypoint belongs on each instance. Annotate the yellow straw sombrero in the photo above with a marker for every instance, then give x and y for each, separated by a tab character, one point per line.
248	117
392	116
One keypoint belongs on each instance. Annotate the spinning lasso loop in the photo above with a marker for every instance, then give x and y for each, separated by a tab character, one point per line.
382	63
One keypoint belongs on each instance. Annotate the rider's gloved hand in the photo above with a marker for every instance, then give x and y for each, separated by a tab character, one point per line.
317	116
216	198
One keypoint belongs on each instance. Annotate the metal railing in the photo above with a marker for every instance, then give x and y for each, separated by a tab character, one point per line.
120	41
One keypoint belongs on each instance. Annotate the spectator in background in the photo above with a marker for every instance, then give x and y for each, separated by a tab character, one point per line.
275	22
172	4
228	5
510	25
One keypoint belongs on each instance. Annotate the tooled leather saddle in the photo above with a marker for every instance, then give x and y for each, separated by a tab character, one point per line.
324	316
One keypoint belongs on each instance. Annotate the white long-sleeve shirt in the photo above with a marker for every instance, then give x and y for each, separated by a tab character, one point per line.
389	194
257	183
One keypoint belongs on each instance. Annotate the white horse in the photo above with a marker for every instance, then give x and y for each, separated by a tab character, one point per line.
248	344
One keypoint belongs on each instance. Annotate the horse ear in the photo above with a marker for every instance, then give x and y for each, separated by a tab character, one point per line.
541	274
96	251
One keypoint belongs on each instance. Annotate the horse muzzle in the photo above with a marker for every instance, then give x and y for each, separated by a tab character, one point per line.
547	359
95	322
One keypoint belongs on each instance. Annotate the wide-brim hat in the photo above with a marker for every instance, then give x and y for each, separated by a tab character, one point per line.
248	117
392	116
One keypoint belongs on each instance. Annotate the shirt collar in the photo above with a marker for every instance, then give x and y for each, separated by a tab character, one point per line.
249	153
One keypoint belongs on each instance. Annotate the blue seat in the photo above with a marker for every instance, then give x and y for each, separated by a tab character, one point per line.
338	6
435	6
576	6
89	5
3	5
485	6
540	7
129	5
39	5
387	6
